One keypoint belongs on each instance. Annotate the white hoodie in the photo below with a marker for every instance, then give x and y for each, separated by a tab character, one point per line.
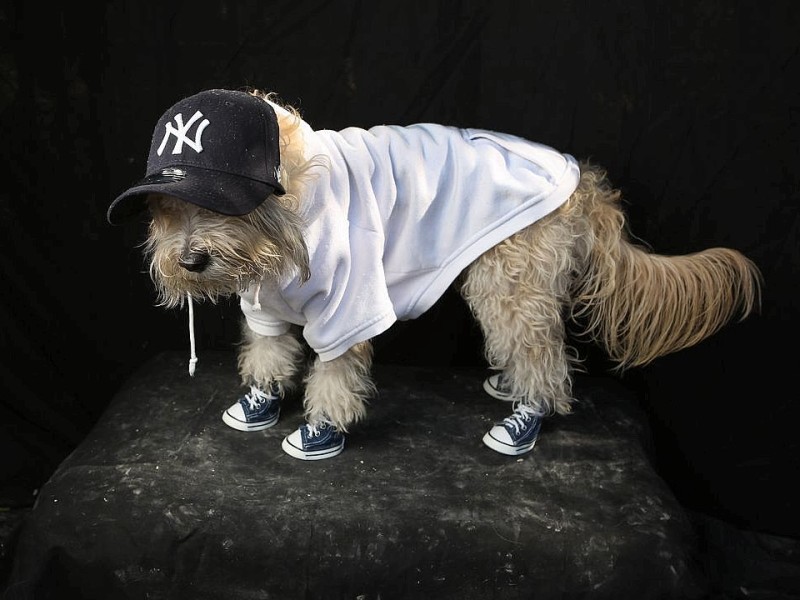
393	220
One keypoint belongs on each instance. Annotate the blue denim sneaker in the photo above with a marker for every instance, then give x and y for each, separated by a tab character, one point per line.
516	434
256	410
497	387
314	442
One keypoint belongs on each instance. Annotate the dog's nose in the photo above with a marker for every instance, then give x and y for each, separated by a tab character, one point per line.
194	261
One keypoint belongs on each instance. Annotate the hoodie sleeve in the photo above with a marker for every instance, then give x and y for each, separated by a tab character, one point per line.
262	322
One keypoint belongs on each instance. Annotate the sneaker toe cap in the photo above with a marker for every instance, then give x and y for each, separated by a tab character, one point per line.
236	412
500	433
295	439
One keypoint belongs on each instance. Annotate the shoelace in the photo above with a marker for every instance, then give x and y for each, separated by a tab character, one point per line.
314	428
523	414
256	397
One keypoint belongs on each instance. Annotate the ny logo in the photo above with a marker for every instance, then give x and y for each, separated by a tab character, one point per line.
180	134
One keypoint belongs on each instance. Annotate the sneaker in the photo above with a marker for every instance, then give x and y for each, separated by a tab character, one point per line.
256	410
497	387
516	434
312	442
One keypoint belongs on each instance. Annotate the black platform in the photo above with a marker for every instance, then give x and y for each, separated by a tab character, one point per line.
163	500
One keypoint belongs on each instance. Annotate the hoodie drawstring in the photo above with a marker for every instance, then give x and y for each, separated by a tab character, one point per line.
256	301
193	358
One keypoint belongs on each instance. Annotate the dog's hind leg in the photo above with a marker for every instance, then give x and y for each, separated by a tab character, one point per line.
517	292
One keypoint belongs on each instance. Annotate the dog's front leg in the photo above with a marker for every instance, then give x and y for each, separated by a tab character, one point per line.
267	359
267	365
335	398
337	390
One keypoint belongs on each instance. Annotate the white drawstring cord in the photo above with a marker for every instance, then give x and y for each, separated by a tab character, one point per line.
193	358
256	301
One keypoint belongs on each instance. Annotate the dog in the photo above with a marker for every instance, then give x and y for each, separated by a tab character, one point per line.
328	238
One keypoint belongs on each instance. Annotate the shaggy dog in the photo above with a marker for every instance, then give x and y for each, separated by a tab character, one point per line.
243	218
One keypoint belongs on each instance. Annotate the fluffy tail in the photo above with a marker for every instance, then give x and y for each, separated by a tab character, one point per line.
639	305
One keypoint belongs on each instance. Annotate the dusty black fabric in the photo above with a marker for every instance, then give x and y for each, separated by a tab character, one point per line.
163	500
691	106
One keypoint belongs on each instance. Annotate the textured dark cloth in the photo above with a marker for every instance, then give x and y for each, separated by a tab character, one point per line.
162	500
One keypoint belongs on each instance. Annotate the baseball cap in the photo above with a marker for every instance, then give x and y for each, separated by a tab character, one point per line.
217	149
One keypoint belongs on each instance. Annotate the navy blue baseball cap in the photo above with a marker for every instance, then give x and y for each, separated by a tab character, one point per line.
217	149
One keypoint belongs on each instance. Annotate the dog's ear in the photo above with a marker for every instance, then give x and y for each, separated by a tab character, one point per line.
282	229
277	217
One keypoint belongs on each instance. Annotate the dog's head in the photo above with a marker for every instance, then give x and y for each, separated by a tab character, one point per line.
222	187
209	255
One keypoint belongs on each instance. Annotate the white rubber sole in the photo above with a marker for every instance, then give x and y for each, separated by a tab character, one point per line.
296	452
244	426
507	449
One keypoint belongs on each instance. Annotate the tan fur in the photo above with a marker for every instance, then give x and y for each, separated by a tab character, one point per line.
337	390
264	359
576	266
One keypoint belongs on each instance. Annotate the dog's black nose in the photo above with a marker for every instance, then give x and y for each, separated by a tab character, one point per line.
194	261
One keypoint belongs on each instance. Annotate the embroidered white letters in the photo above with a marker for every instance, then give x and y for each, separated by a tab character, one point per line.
180	134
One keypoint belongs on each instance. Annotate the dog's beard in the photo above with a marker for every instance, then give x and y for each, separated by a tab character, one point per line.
265	244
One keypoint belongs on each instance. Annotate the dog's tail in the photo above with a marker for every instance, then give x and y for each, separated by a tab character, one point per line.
639	305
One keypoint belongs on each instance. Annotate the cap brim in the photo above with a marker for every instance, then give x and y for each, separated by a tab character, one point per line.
213	190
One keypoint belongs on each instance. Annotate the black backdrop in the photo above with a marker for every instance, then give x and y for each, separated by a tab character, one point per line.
693	107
